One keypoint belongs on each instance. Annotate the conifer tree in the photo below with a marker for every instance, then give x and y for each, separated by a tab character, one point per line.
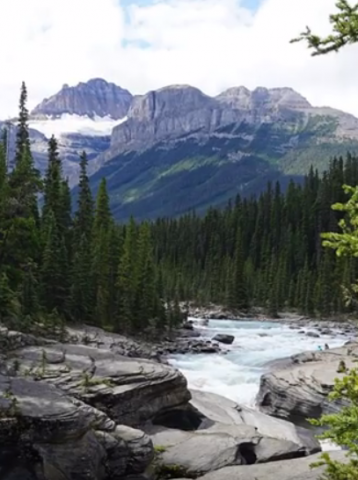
239	299
53	185
82	295
127	280
25	178
101	255
83	221
54	271
145	301
21	246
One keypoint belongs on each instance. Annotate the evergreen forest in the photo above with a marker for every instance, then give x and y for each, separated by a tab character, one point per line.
264	251
63	263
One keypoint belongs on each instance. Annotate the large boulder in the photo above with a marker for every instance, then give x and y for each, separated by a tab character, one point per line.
45	434
298	387
225	411
224	338
130	391
296	469
223	434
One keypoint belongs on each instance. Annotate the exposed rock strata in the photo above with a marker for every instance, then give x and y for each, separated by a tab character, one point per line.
130	391
52	436
298	387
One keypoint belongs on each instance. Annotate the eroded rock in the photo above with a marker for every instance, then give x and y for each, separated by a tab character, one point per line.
47	435
130	391
298	387
224	434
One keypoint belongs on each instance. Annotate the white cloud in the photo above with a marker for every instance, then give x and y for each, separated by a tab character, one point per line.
212	45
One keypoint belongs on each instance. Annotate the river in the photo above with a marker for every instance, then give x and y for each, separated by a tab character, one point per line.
236	374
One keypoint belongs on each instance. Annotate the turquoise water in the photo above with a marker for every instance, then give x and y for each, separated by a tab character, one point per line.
236	374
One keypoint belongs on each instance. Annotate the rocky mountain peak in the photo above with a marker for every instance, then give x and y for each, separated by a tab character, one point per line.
289	98
97	97
236	97
263	98
172	100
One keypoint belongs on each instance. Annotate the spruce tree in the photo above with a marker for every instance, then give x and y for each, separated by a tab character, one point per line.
127	281
239	299
83	221
54	271
101	256
82	294
21	247
145	296
53	185
25	178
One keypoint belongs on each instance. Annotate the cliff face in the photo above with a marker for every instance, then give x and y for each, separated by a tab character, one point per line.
179	110
93	98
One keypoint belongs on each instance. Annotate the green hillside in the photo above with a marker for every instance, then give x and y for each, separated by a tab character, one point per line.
195	172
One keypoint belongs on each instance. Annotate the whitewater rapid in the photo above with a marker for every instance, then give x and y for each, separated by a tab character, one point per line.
236	374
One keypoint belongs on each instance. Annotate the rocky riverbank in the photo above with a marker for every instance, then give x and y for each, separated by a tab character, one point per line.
182	340
297	387
78	409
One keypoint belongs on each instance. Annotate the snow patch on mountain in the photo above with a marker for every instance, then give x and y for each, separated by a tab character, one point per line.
75	124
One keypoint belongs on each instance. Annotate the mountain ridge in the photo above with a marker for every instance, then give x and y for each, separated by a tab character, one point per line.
177	148
96	97
178	143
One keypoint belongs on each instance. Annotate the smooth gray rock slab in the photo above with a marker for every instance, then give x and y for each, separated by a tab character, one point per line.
296	469
227	435
222	410
129	390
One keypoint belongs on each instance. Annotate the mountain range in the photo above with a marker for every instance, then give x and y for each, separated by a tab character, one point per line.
175	149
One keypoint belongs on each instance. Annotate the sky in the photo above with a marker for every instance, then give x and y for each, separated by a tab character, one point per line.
146	44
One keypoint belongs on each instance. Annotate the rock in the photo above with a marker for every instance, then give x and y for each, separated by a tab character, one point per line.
219	433
46	434
189	345
43	427
224	411
224	338
93	98
326	331
296	469
140	448
189	333
117	452
298	387
188	325
312	334
130	391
